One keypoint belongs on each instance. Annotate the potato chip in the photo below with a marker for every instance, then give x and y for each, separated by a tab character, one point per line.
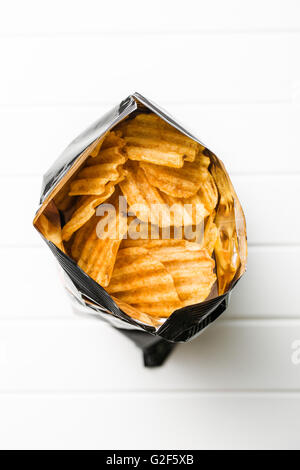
96	185
149	204
106	166
142	281
148	243
111	139
179	183
62	199
161	309
85	210
193	206
208	193
81	236
189	265
150	139
135	313
110	155
151	234
98	255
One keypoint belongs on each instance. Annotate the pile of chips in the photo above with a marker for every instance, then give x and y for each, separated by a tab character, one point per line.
154	167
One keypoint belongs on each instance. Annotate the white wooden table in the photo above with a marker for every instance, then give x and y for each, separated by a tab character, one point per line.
230	72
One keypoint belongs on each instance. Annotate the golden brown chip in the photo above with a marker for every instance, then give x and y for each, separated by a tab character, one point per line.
140	233
98	171
148	243
179	183
135	313
141	280
111	139
189	265
81	236
110	155
150	139
98	255
88	186
86	208
62	199
208	193
149	204
161	309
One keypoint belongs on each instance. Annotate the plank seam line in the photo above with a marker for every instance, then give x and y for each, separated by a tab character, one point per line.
201	102
150	33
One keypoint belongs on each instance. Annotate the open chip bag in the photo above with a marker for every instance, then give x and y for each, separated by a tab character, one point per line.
146	226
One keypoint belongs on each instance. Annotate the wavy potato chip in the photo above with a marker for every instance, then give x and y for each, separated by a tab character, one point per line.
85	210
89	186
98	253
81	236
179	183
110	155
106	166
135	313
141	280
153	235
190	266
111	139
149	204
150	139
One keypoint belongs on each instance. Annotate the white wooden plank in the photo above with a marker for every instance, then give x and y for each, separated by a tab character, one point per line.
270	204
130	421
72	16
20	200
248	138
269	289
270	286
89	355
193	68
36	276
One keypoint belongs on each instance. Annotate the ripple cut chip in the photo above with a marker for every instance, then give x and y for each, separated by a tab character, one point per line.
190	266
86	207
150	204
142	281
180	183
150	139
98	253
